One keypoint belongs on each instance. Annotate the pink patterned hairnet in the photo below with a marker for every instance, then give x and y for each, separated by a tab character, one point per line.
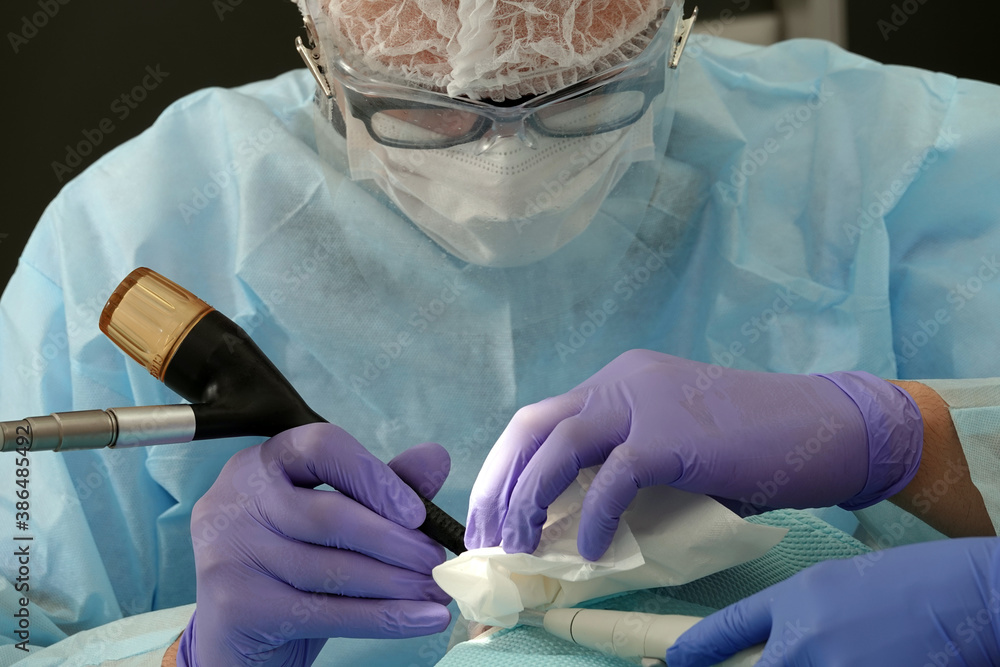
495	49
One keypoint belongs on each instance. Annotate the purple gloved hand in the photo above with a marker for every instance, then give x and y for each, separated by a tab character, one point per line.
282	567
936	603
755	441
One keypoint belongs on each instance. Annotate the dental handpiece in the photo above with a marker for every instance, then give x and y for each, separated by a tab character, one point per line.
635	636
207	359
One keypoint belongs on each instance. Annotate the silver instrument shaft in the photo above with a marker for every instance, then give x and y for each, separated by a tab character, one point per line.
93	429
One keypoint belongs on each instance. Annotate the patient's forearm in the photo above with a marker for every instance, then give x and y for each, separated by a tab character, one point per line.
942	493
170	657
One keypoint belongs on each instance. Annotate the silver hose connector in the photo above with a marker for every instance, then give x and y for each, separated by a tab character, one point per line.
94	429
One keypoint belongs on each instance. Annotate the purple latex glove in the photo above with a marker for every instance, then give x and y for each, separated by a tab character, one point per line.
281	566
924	604
756	441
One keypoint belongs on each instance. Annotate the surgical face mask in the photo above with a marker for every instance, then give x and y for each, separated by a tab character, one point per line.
510	205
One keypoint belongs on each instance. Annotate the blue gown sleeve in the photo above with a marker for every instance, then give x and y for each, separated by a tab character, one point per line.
93	520
136	641
944	234
34	358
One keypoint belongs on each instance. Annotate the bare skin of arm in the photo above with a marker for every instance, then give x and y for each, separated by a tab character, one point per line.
942	494
170	657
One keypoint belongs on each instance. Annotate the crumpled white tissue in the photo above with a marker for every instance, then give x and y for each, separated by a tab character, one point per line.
667	537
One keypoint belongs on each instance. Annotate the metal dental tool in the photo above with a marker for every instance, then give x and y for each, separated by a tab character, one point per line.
635	636
201	354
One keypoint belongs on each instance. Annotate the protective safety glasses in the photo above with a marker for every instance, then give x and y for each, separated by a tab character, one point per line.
404	122
407	117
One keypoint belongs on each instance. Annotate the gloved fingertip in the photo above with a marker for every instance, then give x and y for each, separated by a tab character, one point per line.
522	529
423	467
440	597
411	513
427	556
430	617
476	541
593	544
678	655
483	526
517	545
400	504
688	651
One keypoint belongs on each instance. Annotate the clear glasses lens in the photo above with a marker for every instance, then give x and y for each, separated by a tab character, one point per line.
597	112
423	126
588	114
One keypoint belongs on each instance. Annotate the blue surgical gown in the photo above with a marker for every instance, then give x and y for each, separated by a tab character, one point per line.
813	211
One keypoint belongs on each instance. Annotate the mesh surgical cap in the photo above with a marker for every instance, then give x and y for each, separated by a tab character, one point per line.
489	49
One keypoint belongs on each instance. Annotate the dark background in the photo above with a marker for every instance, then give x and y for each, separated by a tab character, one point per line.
63	73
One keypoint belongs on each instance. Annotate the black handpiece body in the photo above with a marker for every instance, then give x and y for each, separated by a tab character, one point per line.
235	390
